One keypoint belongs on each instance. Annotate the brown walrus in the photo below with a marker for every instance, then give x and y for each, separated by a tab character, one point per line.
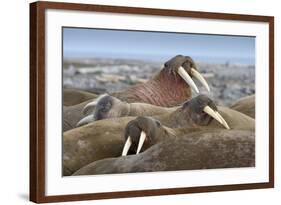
245	105
169	87
196	150
105	138
107	106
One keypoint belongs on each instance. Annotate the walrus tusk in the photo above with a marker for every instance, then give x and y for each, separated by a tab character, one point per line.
223	120
212	113
216	116
127	146
187	79
85	120
199	77
89	106
141	141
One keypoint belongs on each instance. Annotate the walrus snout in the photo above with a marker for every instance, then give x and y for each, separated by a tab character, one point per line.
103	106
179	60
106	106
186	68
96	109
89	107
142	133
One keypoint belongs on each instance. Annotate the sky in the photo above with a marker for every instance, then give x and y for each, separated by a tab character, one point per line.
157	46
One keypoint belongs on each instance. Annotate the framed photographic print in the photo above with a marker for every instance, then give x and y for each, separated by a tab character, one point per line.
128	102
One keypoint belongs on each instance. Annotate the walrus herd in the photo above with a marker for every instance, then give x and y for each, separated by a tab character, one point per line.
156	126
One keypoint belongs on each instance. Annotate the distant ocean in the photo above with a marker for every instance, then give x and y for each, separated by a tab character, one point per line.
164	57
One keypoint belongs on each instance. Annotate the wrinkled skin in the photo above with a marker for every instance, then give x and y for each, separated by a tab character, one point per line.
105	138
197	150
74	96
245	105
157	91
160	90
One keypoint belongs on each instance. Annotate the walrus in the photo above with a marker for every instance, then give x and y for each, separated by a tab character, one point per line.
75	96
104	138
169	87
245	105
107	106
196	150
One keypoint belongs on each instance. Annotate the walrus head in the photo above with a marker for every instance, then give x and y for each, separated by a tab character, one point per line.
144	132
201	110
104	107
185	67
